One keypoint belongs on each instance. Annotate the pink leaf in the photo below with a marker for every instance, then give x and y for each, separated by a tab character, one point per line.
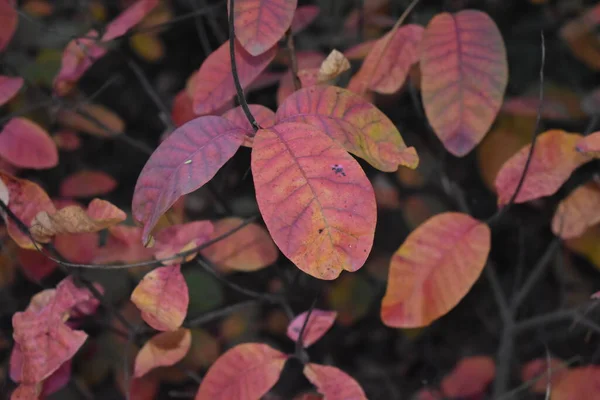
540	370
87	183
470	377
163	349
25	144
9	86
184	162
319	323
305	60
333	383
176	238
264	116
128	19
304	16
124	244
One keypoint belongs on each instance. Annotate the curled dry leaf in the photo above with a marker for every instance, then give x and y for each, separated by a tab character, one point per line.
315	199
27	199
93	119
433	270
87	183
333	66
540	370
177	238
259	24
578	383
303	17
128	19
579	211
347	118
464	75
99	215
213	85
163	349
333	383
162	297
9	86
553	161
249	249
590	145
469	377
245	372
25	144
264	116
319	323
184	162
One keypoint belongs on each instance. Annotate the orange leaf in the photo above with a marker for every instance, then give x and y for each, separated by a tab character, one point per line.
249	249
259	24
99	215
553	161
319	323
579	211
128	19
540	370
590	145
184	162
245	372
163	298
27	199
469	377
87	183
79	121
359	126
333	383
578	383
9	87
214	86
434	269
25	144
8	22
464	76
315	199
163	349
176	238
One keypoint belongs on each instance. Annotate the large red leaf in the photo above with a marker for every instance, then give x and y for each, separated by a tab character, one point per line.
25	144
319	323
8	22
352	121
579	211
245	372
87	183
464	75
213	86
316	201
163	349
259	24
434	269
553	161
333	383
128	18
386	67
163	298
470	377
185	161
9	86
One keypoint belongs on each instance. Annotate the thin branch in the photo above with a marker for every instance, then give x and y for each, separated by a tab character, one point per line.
220	313
300	353
289	40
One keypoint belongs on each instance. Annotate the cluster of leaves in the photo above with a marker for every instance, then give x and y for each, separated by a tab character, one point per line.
318	206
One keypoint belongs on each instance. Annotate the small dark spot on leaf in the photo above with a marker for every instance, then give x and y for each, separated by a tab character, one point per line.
321	230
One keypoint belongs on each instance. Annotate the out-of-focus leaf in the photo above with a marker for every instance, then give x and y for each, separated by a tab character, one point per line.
124	244
87	183
470	377
333	383
84	118
177	238
25	144
8	22
305	60
303	17
578	383
163	349
579	211
586	245
9	87
540	370
66	140
148	46
35	265
351	297
582	41
128	19
206	293
319	323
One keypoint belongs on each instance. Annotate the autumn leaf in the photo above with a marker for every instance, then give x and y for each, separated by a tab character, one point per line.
185	161
87	183
305	60
25	144
214	86
93	119
8	22
577	383
347	118
304	16
581	39
259	24
245	372
315	199
124	244
35	265
9	86
333	383
128	19
544	373
469	377
333	66
162	297
434	269
264	117
177	238
579	211
148	46
78	248
66	140
319	323
360	50
464	76
590	145
27	199
249	249
553	161
99	215
163	349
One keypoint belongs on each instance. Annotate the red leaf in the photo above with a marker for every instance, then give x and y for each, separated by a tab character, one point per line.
590	145
464	76
540	370
59	379
176	238
182	110
124	244
78	248
9	85
163	349
553	161
358	125
162	297
245	372
87	183
128	19
434	269
27	199
213	86
25	144
319	323
470	377
8	22
35	265
184	162
264	116
578	383
79	55
259	24
333	383
316	201
579	211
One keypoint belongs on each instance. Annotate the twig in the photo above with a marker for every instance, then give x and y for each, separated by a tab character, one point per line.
289	40
212	315
300	353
